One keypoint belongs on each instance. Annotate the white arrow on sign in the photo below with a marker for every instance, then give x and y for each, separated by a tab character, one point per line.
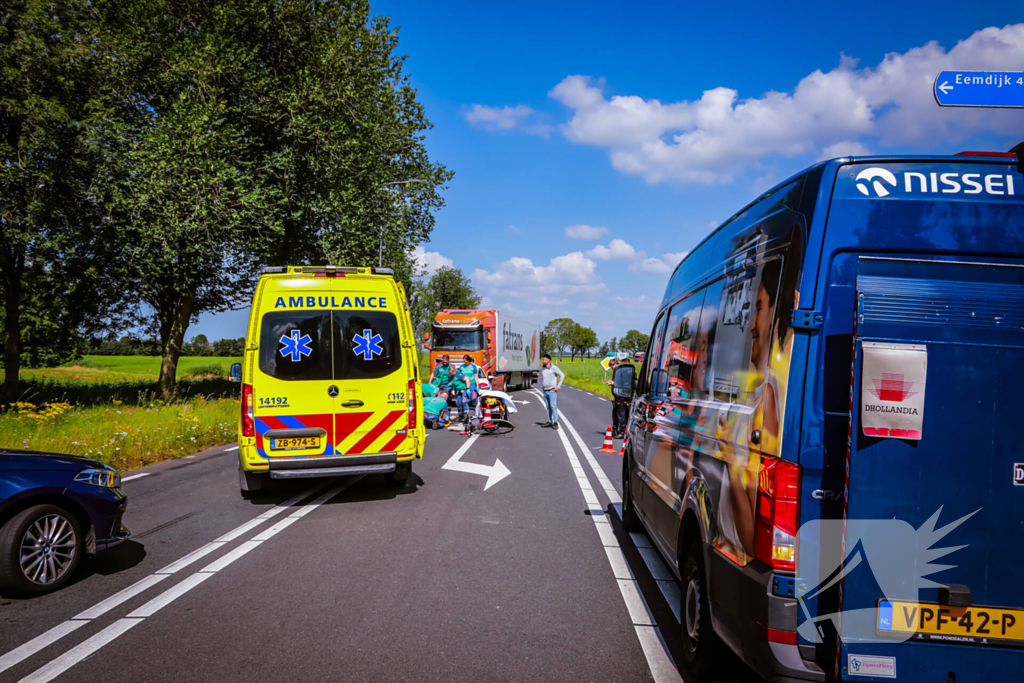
494	474
945	87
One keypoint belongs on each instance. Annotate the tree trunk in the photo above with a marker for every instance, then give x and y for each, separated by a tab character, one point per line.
12	335
174	314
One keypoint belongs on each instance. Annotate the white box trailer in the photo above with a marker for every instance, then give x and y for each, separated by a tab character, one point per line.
516	350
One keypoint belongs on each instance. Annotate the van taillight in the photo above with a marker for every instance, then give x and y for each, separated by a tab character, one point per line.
778	513
412	404
248	417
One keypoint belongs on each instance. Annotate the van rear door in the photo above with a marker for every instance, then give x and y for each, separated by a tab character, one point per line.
293	405
371	414
931	468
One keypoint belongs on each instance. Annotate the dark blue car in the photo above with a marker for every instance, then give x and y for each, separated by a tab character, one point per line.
53	509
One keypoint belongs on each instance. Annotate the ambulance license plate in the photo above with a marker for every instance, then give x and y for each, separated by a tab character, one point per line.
946	624
295	443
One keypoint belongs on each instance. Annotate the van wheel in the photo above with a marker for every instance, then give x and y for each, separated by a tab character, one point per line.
630	522
253	483
39	550
402	473
700	643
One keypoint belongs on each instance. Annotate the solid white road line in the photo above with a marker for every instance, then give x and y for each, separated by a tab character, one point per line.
658	659
233	448
22	652
80	652
602	478
77	654
39	642
135	476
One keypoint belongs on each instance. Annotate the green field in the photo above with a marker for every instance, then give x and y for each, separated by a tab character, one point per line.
127	437
587	374
131	368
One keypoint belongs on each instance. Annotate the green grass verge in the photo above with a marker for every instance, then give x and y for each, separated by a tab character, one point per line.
127	437
131	368
586	374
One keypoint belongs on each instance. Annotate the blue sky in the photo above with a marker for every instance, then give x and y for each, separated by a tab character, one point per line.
648	125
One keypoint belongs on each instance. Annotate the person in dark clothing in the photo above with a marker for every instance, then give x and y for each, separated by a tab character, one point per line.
620	404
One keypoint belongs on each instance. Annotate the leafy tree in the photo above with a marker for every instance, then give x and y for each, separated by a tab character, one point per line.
225	348
604	349
634	341
447	288
613	345
56	260
545	342
559	334
581	340
246	132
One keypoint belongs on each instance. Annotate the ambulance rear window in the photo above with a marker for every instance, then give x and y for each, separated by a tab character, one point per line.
295	345
366	344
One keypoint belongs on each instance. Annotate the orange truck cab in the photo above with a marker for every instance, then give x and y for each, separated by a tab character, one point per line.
505	347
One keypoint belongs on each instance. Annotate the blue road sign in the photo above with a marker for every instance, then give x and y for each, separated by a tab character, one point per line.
980	88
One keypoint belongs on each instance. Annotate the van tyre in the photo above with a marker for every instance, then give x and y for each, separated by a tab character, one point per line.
700	645
253	483
402	474
40	547
630	522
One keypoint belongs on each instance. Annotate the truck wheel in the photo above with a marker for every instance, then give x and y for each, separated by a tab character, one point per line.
253	483
39	549
630	522
700	642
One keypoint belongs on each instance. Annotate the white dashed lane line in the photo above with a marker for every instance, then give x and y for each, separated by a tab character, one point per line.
135	476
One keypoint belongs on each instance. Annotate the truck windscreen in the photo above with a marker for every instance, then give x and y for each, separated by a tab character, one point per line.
444	339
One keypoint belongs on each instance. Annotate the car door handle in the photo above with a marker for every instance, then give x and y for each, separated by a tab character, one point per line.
352	404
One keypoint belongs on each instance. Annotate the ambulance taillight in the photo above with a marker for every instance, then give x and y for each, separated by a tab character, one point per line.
248	416
412	404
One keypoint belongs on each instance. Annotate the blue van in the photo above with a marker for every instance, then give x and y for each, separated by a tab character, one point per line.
819	443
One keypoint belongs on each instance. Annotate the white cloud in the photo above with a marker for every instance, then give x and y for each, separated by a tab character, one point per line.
513	229
711	139
585	232
666	264
563	276
617	250
430	261
844	148
519	117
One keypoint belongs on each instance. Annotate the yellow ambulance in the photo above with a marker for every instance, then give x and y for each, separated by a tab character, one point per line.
330	378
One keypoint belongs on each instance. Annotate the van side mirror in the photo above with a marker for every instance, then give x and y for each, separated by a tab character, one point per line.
624	380
236	372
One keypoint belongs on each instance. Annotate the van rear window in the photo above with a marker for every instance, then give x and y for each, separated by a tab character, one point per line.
296	345
366	344
329	345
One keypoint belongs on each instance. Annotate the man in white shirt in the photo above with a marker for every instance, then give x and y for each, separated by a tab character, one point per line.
551	379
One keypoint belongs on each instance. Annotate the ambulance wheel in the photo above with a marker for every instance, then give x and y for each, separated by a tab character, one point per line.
253	483
402	473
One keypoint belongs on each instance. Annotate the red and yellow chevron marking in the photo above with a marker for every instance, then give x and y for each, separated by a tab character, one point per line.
348	441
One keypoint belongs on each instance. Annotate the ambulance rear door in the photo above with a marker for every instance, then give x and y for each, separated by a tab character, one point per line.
373	382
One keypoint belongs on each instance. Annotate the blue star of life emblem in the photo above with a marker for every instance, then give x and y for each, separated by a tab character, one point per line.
368	345
296	346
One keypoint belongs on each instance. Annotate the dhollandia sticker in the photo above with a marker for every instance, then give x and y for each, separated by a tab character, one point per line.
879	667
892	389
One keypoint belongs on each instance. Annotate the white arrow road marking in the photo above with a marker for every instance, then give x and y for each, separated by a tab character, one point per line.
494	474
945	87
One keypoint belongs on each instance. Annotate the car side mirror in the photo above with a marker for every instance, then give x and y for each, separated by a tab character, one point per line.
236	372
624	380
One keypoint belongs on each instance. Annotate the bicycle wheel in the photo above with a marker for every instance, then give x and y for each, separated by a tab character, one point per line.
499	427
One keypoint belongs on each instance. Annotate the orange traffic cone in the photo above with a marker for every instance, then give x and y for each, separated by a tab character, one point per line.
487	416
623	451
609	446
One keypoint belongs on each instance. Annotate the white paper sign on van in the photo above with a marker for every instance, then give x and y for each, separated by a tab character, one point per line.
892	390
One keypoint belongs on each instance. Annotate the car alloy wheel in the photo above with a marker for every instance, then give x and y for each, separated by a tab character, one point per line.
691	611
48	549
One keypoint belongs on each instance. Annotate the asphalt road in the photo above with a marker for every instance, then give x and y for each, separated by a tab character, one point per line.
447	578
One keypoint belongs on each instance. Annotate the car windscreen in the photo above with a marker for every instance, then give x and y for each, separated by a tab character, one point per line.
366	344
457	340
296	345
